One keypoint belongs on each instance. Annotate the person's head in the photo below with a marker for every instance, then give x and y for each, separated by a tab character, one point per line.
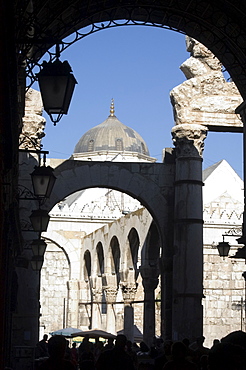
45	337
120	341
57	346
200	341
179	350
227	356
144	347
186	342
111	341
74	345
129	345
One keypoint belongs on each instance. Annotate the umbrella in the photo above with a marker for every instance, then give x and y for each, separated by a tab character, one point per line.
67	332
137	335
94	333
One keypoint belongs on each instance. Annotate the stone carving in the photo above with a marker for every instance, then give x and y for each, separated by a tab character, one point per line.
189	139
33	122
206	97
97	295
111	293
128	292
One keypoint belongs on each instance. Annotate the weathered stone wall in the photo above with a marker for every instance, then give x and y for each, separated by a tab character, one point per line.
206	98
33	122
54	291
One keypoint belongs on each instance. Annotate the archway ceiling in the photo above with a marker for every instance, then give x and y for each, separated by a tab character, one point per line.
220	24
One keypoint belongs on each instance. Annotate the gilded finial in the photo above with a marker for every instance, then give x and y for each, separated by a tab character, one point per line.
112	108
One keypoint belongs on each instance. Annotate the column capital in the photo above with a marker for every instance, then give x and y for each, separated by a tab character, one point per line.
150	278
96	294
189	139
128	292
111	293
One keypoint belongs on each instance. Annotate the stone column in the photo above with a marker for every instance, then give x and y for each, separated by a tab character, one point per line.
128	292
73	303
111	293
96	321
187	318
150	282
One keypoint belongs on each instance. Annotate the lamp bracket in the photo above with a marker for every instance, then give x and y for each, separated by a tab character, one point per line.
39	152
26	194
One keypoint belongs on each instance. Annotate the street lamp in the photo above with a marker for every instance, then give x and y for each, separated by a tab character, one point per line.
38	247
56	83
223	248
39	219
43	180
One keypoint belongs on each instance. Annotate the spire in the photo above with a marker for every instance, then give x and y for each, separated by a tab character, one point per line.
112	108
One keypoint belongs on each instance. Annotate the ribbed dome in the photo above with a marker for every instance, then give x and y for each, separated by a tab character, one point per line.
111	135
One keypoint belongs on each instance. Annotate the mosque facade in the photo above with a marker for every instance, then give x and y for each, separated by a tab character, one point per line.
94	219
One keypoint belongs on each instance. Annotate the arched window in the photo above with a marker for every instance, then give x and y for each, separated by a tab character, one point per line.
119	144
100	259
115	258
144	151
91	146
87	265
132	255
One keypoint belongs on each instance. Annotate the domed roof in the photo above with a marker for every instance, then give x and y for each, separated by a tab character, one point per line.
111	135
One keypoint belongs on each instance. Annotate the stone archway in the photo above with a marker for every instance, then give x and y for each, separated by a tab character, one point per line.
215	26
140	180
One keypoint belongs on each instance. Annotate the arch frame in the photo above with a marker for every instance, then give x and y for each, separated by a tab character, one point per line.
221	29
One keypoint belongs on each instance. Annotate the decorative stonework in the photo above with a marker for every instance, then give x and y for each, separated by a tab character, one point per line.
96	295
189	139
111	293
33	122
128	292
206	97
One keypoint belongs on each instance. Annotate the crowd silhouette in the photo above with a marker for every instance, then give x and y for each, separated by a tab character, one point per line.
229	353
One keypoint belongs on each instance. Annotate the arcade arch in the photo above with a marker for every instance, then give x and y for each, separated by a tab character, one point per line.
219	29
208	35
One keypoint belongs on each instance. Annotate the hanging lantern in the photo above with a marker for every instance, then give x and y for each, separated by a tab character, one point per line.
39	219
38	247
37	262
223	248
43	180
56	83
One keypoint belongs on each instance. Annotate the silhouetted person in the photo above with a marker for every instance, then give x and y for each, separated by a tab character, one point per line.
74	354
109	345
227	356
42	347
57	348
116	358
132	353
200	350
179	361
86	355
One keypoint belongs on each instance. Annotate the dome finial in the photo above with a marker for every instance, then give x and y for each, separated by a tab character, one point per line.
112	108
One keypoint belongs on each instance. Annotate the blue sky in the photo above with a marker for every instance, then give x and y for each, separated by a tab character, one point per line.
137	66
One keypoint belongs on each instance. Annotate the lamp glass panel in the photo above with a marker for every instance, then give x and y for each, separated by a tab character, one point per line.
38	247
40	220
37	263
56	92
223	248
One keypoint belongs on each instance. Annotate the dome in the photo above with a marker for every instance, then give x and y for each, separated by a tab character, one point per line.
111	135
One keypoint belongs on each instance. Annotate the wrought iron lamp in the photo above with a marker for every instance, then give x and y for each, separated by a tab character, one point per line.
56	83
43	180
223	248
39	219
38	248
